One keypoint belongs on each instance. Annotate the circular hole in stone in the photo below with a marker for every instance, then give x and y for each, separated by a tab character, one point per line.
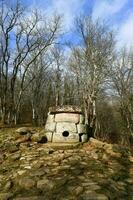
65	133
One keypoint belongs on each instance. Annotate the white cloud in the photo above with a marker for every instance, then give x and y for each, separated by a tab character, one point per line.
125	33
68	9
105	8
108	9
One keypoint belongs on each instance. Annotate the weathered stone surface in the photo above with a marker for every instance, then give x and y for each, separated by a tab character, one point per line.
67	117
78	190
5	196
26	183
58	137
45	184
39	137
65	126
81	128
15	156
50	118
82	119
8	185
65	109
69	172
11	147
29	198
84	138
24	138
50	127
21	172
23	130
96	142
49	136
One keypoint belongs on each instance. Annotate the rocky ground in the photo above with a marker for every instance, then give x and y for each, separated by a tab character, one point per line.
91	171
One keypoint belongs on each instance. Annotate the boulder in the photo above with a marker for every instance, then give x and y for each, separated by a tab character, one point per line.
67	117
26	183
24	138
11	147
23	130
39	137
65	126
45	184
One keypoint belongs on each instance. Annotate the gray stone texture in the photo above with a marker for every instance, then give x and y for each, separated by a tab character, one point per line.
58	137
50	118
65	126
82	119
81	128
49	136
84	138
67	117
50	127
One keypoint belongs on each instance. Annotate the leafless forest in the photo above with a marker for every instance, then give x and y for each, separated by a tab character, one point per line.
39	69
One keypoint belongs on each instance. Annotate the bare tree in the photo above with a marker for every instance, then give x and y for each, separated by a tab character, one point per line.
58	63
91	62
32	35
122	79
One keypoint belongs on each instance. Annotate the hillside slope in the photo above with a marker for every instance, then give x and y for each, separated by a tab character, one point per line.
89	171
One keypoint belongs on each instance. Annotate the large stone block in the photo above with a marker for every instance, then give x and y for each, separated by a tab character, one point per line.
65	109
84	138
82	119
67	117
81	128
50	118
50	126
58	137
65	126
49	136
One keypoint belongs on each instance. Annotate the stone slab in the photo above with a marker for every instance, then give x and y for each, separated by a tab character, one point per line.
81	128
50	127
82	119
67	117
65	109
84	138
58	137
50	118
65	126
49	136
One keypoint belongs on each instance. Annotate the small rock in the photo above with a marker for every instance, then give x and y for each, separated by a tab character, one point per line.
130	158
5	196
90	195
27	167
78	190
15	156
45	184
26	183
8	185
11	147
21	172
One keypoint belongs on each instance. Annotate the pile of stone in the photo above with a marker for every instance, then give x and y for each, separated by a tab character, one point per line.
66	124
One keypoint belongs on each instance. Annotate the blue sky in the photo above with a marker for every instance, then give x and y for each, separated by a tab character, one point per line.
118	13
